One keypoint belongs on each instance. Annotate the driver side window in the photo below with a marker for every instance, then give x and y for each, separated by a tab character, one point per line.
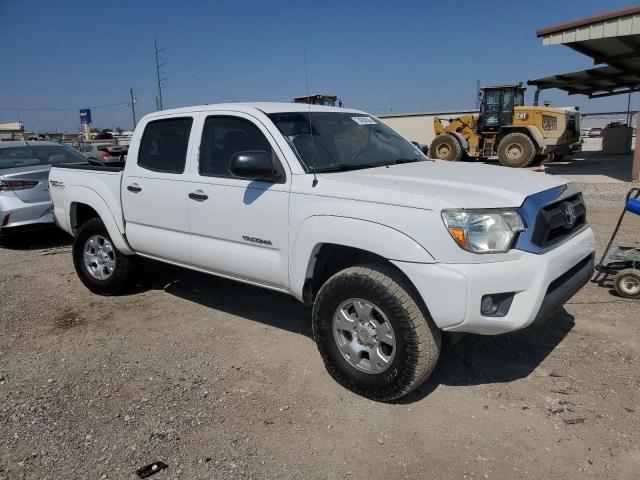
222	138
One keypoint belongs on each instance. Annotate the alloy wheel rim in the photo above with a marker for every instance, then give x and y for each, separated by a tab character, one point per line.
99	257
364	336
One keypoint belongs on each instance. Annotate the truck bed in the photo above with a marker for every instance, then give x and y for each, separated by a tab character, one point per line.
97	186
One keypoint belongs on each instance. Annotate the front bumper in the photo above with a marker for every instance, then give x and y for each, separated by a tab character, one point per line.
541	283
16	214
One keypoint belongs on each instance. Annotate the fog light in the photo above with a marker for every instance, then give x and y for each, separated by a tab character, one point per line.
496	304
488	306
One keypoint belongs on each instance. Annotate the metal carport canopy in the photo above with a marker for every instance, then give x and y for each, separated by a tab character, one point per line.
595	82
611	38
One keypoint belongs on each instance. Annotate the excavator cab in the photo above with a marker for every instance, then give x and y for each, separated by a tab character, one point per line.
327	100
496	106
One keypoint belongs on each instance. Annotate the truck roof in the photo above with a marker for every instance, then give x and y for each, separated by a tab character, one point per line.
247	107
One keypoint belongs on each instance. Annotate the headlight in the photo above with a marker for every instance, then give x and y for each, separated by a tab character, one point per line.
483	231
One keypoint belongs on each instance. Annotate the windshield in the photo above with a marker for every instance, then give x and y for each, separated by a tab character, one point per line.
328	141
30	155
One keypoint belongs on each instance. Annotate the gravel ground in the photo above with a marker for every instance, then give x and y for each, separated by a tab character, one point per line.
222	380
606	195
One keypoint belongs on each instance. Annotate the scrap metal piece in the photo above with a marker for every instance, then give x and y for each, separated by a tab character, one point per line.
574	421
152	469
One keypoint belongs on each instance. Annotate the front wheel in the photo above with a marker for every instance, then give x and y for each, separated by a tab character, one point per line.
446	147
372	334
100	266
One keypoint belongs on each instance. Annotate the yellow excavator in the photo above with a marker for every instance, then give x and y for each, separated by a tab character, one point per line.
507	129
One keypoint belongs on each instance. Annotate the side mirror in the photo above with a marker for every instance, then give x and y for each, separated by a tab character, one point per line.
254	165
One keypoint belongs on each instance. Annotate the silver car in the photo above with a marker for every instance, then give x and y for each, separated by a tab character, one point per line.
24	182
104	152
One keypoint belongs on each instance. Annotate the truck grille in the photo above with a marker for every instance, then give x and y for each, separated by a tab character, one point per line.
559	220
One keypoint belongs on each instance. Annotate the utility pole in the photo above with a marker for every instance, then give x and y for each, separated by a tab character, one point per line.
158	78
133	107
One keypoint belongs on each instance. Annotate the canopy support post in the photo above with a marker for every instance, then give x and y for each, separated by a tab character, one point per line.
635	166
536	96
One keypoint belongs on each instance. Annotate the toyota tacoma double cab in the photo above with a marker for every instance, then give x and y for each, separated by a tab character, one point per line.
330	205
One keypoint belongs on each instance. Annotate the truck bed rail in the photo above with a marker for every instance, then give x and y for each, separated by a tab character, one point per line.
112	167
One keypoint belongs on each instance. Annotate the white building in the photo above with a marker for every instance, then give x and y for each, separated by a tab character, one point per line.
418	127
11	131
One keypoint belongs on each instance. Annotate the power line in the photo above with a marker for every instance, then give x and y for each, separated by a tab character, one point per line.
60	109
243	74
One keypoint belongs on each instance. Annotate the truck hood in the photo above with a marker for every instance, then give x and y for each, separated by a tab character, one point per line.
462	184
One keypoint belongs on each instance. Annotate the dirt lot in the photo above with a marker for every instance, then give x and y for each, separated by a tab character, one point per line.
222	380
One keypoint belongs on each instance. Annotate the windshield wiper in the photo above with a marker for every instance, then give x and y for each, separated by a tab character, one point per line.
343	167
398	161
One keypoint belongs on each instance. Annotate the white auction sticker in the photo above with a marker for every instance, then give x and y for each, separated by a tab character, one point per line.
364	120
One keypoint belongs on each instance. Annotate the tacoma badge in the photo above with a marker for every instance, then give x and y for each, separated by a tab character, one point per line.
259	241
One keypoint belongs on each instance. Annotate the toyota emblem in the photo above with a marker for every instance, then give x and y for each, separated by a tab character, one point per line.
569	215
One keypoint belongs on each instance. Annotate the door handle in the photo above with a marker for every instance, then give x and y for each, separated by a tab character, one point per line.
198	196
134	188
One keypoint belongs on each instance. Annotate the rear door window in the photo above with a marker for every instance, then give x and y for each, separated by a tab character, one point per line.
164	145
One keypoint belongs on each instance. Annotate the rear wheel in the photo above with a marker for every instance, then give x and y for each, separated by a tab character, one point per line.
372	334
100	266
516	150
446	147
627	283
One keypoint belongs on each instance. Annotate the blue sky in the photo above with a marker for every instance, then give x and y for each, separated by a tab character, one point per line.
375	55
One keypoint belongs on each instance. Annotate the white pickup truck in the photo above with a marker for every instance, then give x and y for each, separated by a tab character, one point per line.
334	207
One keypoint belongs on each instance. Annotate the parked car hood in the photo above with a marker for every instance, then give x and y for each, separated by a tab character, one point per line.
461	184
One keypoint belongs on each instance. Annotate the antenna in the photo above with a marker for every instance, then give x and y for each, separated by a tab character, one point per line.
306	81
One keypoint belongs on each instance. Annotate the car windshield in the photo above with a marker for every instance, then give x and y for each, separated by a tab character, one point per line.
30	155
332	141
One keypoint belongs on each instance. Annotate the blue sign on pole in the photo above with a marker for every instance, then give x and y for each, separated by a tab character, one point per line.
85	116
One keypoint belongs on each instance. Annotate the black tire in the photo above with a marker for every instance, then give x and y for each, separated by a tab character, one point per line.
125	266
624	280
446	147
540	159
516	142
418	340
